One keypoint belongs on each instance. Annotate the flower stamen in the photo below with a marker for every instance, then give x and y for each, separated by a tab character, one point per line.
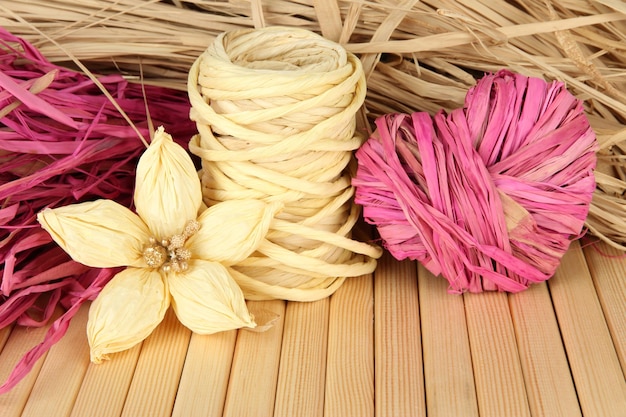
170	254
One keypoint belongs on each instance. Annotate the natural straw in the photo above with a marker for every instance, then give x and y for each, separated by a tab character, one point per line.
275	110
418	55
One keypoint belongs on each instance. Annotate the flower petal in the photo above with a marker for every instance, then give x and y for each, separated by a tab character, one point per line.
127	310
207	300
100	233
167	191
231	230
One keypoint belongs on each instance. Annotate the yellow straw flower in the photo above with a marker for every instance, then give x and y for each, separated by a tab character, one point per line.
174	252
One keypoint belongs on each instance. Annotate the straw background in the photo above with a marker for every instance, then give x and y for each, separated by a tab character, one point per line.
418	55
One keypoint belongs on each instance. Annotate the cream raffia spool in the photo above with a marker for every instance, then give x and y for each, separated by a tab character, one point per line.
275	110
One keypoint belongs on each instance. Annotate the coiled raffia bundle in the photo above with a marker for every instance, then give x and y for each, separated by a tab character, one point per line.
275	110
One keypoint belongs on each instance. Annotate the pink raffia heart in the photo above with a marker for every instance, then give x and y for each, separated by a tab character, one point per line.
489	196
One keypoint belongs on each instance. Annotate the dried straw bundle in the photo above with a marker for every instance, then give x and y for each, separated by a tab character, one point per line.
417	55
61	142
275	109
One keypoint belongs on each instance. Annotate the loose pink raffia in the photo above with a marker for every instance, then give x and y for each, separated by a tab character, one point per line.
62	141
489	196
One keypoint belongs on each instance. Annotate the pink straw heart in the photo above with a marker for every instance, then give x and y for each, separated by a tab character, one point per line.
489	196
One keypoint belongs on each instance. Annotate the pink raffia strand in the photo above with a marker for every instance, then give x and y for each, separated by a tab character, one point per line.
61	142
489	196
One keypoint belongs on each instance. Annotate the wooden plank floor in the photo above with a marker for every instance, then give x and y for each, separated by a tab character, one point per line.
392	344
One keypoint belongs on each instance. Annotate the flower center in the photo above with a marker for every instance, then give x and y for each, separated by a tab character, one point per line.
169	254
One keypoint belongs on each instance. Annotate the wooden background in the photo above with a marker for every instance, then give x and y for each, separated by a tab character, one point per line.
392	344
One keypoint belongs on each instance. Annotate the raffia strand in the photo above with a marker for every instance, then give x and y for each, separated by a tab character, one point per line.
422	56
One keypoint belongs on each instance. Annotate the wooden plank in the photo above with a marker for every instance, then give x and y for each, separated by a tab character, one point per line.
105	386
599	380
607	266
448	374
302	372
497	369
66	361
4	335
398	366
21	340
254	373
204	380
350	359
153	389
549	385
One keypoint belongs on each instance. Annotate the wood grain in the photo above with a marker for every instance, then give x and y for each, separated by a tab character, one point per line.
155	382
21	340
302	372
552	350
398	370
549	385
4	335
350	358
497	369
599	380
204	380
254	372
105	386
607	267
67	361
448	374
